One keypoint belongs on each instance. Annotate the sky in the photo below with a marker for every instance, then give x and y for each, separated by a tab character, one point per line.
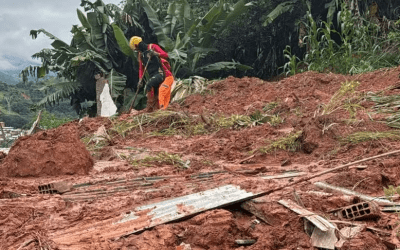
18	17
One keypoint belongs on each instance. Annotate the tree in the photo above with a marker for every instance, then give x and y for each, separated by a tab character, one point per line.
100	45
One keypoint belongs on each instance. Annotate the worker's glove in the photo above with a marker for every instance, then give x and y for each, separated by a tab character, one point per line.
152	53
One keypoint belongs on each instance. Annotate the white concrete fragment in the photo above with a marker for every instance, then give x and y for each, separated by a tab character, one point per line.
108	107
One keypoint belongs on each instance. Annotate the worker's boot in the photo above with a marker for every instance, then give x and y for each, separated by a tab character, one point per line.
150	102
156	103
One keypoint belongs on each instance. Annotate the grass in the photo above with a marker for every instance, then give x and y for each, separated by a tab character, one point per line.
291	142
167	123
359	137
162	158
345	98
387	105
94	143
363	48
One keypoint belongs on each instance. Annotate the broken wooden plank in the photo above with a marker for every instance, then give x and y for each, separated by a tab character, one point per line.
391	209
282	176
35	124
245	242
250	207
317	220
324	240
184	207
372	229
353	193
323	173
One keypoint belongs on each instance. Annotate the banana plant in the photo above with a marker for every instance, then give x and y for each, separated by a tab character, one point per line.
88	44
187	39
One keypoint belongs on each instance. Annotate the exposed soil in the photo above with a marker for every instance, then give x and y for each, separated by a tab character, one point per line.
53	152
121	180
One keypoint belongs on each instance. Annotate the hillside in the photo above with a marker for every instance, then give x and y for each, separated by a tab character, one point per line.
241	132
22	97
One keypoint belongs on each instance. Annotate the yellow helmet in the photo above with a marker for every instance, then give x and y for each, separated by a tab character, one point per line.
135	40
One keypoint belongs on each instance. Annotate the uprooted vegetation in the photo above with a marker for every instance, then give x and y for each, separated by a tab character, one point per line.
246	135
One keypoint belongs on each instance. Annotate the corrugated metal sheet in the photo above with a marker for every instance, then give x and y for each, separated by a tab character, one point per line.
185	206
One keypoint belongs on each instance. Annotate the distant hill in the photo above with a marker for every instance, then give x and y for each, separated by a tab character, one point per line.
4	77
11	76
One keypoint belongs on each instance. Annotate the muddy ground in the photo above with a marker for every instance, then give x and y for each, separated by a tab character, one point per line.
108	182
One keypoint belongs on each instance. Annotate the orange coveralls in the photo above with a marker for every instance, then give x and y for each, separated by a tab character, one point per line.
164	91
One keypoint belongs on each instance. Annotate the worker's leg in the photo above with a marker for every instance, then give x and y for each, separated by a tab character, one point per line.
165	92
152	92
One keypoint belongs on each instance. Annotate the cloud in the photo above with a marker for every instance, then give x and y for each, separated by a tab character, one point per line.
19	17
5	64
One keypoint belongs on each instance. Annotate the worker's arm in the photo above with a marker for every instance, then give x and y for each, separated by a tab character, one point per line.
161	53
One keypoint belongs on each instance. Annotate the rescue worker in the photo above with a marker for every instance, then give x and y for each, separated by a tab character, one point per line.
158	89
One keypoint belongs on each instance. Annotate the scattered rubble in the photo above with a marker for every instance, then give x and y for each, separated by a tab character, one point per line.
53	195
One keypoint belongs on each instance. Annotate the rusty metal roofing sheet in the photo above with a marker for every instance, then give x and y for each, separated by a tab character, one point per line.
185	206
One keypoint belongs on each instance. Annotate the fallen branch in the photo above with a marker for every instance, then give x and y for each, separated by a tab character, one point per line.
26	243
35	124
324	172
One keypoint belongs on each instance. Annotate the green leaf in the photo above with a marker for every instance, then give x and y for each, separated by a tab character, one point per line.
83	19
156	25
279	10
224	66
122	41
97	36
58	43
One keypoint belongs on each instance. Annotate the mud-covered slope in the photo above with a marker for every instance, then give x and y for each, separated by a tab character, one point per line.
194	139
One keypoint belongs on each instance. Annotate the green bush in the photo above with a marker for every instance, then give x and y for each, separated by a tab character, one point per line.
364	45
49	120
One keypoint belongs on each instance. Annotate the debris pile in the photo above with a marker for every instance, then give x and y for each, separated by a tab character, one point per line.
273	165
48	153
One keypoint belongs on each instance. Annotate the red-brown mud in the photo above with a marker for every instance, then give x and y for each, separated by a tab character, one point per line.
85	217
52	153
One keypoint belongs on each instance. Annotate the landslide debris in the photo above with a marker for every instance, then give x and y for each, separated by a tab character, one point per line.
48	153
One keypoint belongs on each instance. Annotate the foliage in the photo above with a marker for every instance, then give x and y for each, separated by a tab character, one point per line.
189	86
49	120
188	38
363	45
102	41
389	105
370	136
291	142
161	158
173	123
391	191
342	98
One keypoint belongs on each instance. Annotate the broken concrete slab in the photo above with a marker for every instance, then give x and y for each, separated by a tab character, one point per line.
347	233
184	246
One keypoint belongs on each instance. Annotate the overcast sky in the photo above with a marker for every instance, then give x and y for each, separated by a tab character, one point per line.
18	17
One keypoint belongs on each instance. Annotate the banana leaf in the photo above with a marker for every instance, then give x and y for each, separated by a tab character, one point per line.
224	66
122	41
284	7
83	19
156	25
